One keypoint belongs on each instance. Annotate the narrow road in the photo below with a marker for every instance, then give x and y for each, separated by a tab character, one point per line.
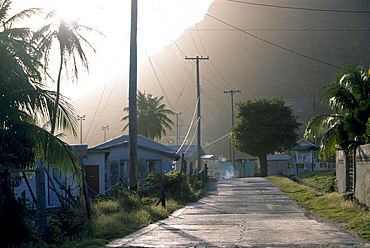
240	212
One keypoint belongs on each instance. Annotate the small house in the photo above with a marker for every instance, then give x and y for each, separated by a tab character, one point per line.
107	164
306	156
281	164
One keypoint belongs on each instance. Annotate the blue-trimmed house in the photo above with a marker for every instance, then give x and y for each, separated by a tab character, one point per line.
107	164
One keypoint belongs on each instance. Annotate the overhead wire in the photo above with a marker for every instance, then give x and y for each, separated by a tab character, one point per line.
189	129
95	113
273	44
159	82
283	29
228	135
105	106
192	139
301	8
201	43
216	103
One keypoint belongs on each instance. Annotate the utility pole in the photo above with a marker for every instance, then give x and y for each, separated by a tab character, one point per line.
81	118
177	127
105	128
199	149
132	98
231	92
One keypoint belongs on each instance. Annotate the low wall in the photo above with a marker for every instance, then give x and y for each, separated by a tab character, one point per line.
361	174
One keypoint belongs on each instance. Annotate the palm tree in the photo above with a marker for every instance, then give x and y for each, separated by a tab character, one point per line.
152	117
24	103
71	42
349	98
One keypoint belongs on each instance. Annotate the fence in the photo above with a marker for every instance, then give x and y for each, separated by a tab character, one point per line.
41	188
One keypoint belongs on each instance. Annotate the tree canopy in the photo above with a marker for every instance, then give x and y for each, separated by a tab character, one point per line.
263	127
71	44
349	98
24	102
152	116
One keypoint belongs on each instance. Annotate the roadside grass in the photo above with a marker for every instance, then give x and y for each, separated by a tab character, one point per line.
120	215
322	179
330	206
117	217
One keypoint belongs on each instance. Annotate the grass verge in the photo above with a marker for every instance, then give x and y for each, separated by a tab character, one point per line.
330	206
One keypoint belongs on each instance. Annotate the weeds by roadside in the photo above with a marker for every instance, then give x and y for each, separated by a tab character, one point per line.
330	206
113	216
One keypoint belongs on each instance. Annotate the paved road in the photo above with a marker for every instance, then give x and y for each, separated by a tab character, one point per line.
241	212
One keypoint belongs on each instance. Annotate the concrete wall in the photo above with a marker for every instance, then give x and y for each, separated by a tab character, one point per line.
341	172
361	170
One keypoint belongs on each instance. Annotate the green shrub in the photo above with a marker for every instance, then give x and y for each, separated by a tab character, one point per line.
130	203
108	207
16	224
198	185
66	223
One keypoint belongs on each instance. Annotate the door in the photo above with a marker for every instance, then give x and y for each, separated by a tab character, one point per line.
92	178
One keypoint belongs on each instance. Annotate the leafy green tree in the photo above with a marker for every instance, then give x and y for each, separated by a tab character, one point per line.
349	98
68	35
24	103
264	127
152	116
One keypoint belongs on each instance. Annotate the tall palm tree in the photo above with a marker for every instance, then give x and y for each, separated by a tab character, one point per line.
24	103
152	120
68	35
349	98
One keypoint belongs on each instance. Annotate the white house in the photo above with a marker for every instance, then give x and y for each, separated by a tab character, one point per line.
107	164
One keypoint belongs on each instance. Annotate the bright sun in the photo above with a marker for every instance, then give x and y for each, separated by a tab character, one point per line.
159	23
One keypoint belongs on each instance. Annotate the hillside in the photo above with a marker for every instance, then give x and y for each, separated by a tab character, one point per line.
262	51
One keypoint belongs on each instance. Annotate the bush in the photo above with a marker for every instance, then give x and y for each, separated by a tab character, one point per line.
66	223
107	207
16	224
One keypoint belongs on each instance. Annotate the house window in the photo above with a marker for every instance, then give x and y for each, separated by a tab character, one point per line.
124	173
154	166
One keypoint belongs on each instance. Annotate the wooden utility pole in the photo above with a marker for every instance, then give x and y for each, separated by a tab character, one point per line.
231	92
177	127
132	98
199	149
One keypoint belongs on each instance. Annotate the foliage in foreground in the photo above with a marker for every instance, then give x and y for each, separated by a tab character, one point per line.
346	127
330	206
114	216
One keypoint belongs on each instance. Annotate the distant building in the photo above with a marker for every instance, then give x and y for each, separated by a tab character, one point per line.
280	164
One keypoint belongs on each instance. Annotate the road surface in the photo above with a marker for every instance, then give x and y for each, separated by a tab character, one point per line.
240	212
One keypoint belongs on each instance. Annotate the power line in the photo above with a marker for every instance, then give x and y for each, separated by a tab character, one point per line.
228	135
306	9
281	29
105	106
96	111
159	82
201	42
273	44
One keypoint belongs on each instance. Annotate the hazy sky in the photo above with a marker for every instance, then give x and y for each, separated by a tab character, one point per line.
160	22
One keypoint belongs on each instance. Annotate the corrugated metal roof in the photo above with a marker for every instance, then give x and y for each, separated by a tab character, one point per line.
278	157
304	148
209	157
141	141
